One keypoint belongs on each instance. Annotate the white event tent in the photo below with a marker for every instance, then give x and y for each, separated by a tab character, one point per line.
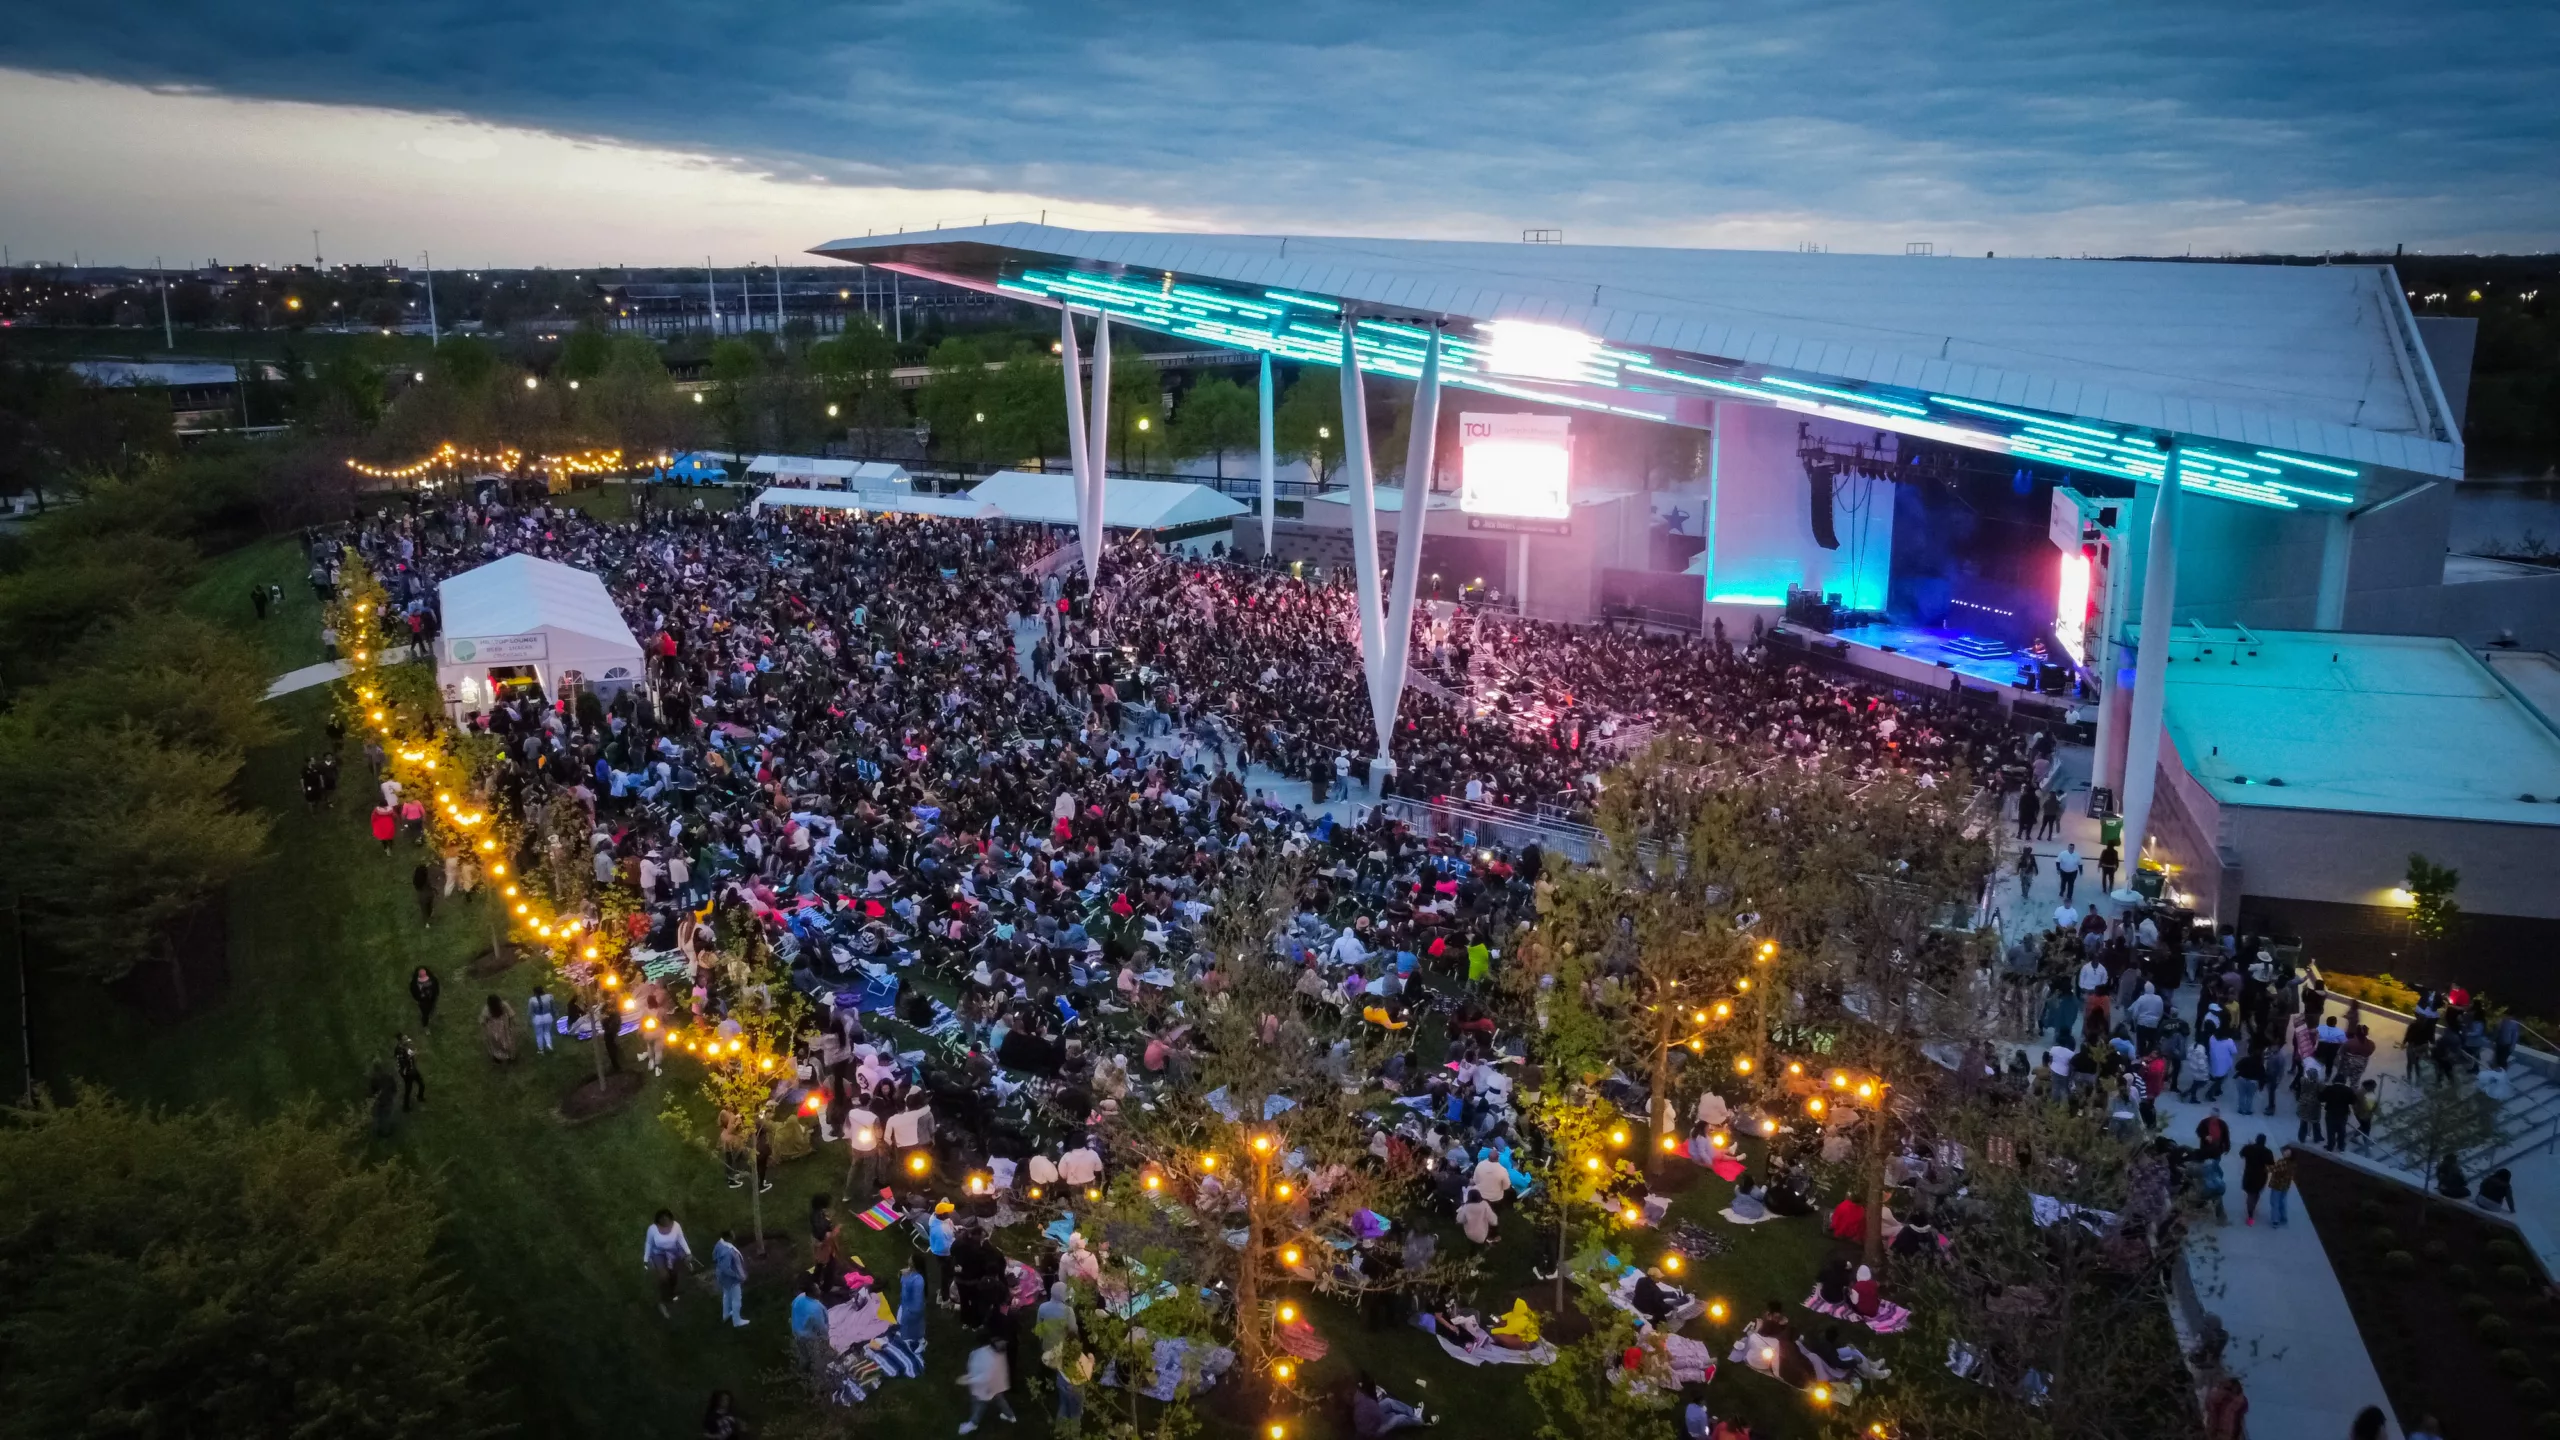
828	474
958	507
1126	504
522	621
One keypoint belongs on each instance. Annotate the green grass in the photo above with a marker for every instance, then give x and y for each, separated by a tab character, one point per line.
545	1217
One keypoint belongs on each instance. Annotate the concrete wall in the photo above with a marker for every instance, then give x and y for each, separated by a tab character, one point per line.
1762	536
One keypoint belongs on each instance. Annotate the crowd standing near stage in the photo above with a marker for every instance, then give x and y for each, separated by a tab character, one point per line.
978	816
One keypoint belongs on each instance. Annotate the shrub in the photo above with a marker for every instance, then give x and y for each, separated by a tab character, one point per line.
2506	1252
2515	1277
2495	1329
2399	1262
2515	1362
2473	1303
2547	1425
2532	1391
2371	1211
2436	1251
2382	1237
2457	1276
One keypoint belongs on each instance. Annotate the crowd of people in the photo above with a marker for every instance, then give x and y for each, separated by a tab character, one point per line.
979	818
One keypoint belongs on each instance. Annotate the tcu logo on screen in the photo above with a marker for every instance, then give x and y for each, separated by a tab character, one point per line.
1471	429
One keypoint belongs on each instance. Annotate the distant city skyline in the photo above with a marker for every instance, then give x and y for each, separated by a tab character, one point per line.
653	133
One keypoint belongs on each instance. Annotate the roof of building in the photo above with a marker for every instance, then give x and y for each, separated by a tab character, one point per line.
2408	725
879	502
860	472
155	372
519	594
2324	360
1126	504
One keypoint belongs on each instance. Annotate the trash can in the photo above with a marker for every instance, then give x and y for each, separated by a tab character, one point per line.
2147	883
2111	830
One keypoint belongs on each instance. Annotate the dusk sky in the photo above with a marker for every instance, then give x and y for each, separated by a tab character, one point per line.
648	131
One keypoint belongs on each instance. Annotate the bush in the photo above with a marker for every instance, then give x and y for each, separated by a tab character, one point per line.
2532	1391
2457	1276
2515	1277
2515	1362
2399	1262
2547	1425
2383	1237
2371	1211
2506	1252
2495	1329
2436	1251
2473	1303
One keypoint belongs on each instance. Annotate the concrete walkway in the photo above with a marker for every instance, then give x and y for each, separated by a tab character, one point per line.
305	678
2293	1343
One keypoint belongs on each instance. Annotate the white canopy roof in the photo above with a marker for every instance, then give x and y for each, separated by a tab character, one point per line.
819	470
1126	504
2324	360
962	507
527	610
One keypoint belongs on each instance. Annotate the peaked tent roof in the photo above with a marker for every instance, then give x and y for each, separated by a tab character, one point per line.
1126	504
2320	359
879	503
521	593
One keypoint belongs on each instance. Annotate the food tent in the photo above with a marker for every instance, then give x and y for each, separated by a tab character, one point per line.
824	474
957	507
523	625
1161	505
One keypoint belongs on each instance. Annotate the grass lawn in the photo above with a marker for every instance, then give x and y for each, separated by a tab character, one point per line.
546	1218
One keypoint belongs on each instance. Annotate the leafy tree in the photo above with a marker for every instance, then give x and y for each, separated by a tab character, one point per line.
186	682
854	372
1218	415
1137	409
1026	408
1306	423
200	1274
2432	910
736	369
47	609
954	395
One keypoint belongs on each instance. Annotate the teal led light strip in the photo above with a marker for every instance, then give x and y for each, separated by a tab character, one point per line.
2022	416
1852	396
2321	466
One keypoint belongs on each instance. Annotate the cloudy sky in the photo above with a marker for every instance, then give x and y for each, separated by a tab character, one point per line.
651	131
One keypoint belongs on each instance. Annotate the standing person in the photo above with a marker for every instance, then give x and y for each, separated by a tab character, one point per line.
2026	869
866	1145
809	1323
386	826
729	1269
665	1254
498	1030
2502	1040
424	989
2027	812
2108	859
989	1380
2279	1189
2256	1160
422	879
404	1058
911	1304
2052	815
938	1237
2066	869
2416	1041
538	1012
2337	1098
2278	1062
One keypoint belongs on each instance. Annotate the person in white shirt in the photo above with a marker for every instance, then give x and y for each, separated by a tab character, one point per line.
1347	949
1477	1219
2066	919
1713	1112
664	1253
1490	1180
2066	868
911	1131
862	1136
1080	1166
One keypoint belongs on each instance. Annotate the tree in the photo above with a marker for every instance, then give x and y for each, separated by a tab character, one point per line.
953	394
1026	408
2432	911
854	371
1306	424
736	367
200	1274
1218	415
1137	409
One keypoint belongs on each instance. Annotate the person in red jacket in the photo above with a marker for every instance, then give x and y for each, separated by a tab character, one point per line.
386	826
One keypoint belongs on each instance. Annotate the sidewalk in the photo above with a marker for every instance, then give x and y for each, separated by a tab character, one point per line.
306	677
2293	1343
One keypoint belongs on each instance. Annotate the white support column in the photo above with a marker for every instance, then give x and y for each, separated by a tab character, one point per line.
2151	664
2337	551
1077	459
1097	436
1364	527
1419	454
1270	486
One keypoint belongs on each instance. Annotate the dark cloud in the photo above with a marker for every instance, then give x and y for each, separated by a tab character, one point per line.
2436	120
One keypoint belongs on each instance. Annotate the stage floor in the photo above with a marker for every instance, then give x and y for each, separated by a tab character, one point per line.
1935	647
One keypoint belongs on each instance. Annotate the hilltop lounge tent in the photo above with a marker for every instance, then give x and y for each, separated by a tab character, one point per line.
957	507
523	626
1172	509
824	474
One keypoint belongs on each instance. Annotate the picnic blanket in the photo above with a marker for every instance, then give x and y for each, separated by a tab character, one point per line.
1727	1168
1888	1318
1727	1213
1489	1353
1696	1241
856	1323
1623	1295
880	1216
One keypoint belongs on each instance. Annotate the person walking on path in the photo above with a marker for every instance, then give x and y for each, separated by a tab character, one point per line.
989	1380
2027	812
498	1030
386	826
911	1304
539	1013
404	1058
424	989
422	879
2279	1189
665	1254
2255	1161
2066	870
2026	869
729	1269
2108	860
2052	815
